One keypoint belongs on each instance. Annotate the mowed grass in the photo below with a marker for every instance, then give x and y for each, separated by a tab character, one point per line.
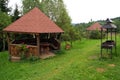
82	62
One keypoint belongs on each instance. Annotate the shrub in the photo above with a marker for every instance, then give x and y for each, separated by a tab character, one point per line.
96	35
33	58
23	49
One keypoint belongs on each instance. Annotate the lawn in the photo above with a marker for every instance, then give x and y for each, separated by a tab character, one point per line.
82	62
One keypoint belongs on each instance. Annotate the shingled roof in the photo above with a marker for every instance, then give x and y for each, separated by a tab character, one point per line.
95	26
34	22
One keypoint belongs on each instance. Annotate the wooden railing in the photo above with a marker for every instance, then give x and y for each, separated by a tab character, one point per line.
32	50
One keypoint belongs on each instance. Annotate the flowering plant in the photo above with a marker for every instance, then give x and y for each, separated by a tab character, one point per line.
23	49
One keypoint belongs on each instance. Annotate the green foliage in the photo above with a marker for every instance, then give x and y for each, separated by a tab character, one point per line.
117	23
71	35
56	11
16	14
5	20
33	58
74	34
30	4
4	6
22	49
95	34
81	28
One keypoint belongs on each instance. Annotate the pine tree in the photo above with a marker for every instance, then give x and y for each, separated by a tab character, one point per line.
4	6
16	14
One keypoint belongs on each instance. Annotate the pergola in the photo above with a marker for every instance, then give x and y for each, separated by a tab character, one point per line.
35	23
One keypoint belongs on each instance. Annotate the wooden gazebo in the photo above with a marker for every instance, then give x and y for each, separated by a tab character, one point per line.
95	26
46	34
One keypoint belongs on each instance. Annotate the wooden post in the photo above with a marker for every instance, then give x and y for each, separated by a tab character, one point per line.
8	40
111	34
107	34
38	43
107	38
115	42
101	42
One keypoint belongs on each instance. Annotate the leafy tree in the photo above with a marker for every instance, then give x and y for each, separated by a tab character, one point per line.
5	20
4	6
116	21
16	14
56	11
30	4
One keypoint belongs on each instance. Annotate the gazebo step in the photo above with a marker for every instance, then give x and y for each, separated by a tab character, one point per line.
47	55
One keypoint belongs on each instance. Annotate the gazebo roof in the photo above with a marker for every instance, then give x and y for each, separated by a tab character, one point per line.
109	24
95	26
34	22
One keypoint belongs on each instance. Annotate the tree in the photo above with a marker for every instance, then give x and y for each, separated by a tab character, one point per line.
4	6
30	4
16	14
5	20
56	11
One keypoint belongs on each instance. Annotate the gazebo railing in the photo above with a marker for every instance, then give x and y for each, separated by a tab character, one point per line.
32	50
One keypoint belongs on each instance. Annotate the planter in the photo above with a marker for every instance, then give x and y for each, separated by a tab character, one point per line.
15	58
67	46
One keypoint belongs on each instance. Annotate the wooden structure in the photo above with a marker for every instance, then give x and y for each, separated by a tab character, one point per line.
110	43
95	26
45	33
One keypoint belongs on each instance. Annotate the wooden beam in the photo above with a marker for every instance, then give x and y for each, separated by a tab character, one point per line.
8	40
38	43
101	41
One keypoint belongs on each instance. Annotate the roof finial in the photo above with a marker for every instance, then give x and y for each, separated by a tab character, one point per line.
109	20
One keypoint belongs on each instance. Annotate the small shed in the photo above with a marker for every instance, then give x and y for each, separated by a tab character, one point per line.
35	22
95	26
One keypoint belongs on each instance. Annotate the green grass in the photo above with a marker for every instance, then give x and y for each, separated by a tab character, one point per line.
79	63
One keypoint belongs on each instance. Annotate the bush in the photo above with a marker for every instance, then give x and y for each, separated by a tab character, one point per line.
33	58
96	35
